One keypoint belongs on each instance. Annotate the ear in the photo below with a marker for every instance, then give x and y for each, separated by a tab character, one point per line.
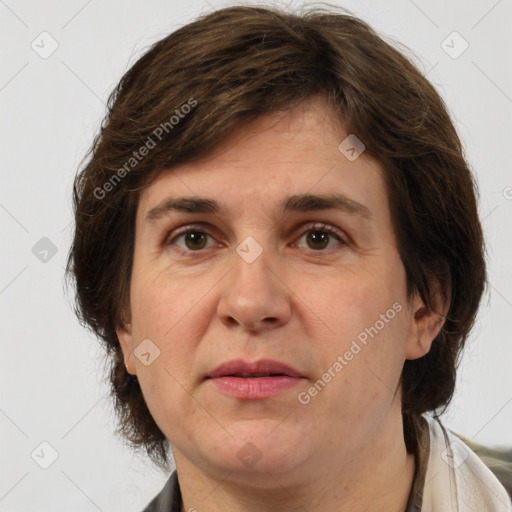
124	334
426	323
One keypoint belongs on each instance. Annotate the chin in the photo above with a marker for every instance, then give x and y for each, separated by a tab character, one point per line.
260	447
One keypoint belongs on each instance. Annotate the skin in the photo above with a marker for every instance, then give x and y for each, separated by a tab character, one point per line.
295	303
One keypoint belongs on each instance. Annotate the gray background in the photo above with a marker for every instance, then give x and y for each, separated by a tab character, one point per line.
52	378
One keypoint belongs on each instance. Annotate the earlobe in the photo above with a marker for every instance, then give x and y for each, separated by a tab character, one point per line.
124	335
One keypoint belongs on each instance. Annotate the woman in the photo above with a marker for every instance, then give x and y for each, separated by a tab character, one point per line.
277	239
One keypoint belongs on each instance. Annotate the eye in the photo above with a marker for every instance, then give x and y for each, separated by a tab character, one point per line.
321	236
317	237
191	239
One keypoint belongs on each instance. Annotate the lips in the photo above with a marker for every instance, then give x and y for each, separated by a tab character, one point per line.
257	369
254	381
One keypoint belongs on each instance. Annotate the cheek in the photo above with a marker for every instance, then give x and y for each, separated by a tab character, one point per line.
174	313
163	304
360	375
351	301
367	328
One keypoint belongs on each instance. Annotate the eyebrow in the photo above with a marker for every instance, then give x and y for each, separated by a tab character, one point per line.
295	203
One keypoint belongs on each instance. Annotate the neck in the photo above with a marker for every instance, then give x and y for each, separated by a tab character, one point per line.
377	476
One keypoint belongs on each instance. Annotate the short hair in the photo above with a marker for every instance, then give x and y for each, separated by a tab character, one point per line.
192	88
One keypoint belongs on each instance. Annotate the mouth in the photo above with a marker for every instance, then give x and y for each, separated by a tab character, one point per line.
257	369
257	375
254	381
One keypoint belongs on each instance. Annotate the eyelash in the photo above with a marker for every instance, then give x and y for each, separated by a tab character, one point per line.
309	227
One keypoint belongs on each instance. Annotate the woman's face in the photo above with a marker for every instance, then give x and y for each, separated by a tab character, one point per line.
274	256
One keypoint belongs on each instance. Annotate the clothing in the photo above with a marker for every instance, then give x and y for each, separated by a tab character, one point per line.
168	499
457	480
449	477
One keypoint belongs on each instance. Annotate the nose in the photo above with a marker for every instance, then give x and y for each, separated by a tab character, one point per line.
254	297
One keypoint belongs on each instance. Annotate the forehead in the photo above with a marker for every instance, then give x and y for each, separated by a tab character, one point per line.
278	155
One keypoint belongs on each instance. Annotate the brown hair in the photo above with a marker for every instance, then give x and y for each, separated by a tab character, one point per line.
236	64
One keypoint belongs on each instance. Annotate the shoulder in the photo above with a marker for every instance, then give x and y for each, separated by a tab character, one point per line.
168	499
456	478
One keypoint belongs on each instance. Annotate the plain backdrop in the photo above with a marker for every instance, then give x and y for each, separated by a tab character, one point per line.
60	60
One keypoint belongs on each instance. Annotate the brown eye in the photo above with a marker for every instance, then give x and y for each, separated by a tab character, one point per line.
195	240
319	236
190	240
317	240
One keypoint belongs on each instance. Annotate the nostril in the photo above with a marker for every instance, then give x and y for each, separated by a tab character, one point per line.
232	321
